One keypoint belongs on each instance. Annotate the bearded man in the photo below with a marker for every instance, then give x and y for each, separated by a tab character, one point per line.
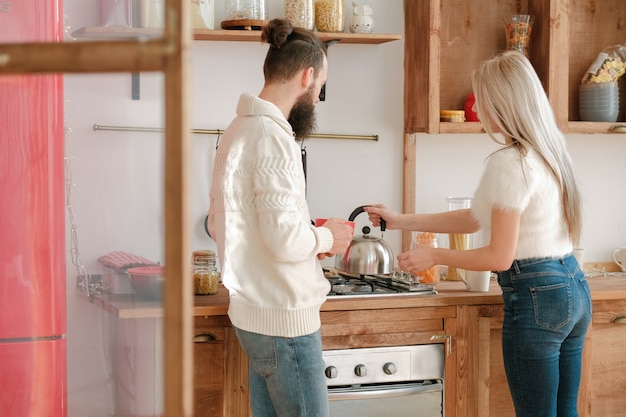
268	250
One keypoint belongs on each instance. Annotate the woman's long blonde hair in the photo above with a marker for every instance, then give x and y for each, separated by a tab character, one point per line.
509	96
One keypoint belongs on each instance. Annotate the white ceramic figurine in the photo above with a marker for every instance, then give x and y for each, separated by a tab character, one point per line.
361	21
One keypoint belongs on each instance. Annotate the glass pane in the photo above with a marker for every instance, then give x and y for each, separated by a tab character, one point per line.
30	21
115	243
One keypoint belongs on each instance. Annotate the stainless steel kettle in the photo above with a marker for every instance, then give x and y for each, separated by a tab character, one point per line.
366	254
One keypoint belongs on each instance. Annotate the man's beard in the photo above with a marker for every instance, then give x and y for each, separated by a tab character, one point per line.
302	116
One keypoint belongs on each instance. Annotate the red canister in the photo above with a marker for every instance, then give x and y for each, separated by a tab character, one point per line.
470	114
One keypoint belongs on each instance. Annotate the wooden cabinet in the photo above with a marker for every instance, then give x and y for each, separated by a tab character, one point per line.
608	362
489	391
445	40
220	370
604	365
468	324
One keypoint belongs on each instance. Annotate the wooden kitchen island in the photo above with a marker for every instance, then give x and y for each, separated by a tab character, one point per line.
467	323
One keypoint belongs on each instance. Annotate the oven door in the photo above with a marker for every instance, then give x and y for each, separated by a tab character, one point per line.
410	399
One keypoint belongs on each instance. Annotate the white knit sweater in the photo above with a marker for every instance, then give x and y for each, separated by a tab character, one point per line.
524	184
260	220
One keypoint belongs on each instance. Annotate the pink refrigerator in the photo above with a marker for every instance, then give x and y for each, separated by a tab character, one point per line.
32	242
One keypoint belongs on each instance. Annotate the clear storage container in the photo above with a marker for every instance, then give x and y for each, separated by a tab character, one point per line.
458	241
430	275
205	275
246	10
300	13
329	15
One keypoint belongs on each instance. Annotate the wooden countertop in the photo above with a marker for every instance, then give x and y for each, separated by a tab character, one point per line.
610	287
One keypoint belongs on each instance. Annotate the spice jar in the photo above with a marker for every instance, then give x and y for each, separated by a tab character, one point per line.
329	15
300	13
205	275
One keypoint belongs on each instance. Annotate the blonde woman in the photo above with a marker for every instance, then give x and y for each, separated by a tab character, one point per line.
528	204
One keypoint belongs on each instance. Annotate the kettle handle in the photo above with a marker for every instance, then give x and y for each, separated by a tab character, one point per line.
359	210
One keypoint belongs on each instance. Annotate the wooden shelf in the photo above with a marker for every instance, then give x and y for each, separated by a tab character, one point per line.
255	36
448	39
115	33
596	127
122	32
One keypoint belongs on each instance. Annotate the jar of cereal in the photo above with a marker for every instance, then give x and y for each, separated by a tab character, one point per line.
329	15
300	13
205	275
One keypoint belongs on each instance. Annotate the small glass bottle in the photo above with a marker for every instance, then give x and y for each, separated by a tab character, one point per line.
205	275
329	15
300	13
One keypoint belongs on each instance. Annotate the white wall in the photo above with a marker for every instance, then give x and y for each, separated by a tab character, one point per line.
452	164
117	177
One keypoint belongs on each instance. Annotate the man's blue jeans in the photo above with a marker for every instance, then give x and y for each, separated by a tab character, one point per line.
547	310
286	375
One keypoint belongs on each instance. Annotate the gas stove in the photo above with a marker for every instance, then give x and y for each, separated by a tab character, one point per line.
396	283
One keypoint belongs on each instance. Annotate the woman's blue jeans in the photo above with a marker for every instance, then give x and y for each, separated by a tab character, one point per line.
286	375
547	310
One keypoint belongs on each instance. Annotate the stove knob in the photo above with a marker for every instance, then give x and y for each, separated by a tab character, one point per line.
331	372
390	368
360	370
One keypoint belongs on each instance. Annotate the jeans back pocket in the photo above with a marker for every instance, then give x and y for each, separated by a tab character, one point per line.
553	305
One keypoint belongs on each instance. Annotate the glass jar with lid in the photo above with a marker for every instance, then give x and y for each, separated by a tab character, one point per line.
329	15
430	275
300	13
246	10
205	275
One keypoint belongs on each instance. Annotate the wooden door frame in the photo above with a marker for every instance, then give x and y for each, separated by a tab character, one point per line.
169	55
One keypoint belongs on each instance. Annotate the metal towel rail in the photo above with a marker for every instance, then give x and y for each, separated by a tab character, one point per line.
220	132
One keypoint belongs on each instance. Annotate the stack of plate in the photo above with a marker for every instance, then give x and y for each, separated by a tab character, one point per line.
598	102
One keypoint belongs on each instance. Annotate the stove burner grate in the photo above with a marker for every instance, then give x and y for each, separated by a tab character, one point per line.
367	285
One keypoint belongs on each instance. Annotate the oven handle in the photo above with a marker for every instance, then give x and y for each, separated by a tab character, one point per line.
391	391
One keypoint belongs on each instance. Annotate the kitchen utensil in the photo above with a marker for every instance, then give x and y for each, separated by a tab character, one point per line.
147	281
366	254
619	256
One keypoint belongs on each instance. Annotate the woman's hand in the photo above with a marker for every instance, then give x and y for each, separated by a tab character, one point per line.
377	211
416	260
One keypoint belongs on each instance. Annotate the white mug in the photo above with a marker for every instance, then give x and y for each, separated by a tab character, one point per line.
475	280
619	256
